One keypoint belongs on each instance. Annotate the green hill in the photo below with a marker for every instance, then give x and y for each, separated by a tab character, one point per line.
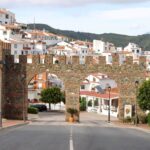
119	40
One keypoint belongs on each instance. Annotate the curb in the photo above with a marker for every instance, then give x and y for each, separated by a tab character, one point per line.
14	126
132	127
141	129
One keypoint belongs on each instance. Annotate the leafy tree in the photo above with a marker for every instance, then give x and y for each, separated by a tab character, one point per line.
63	99
51	95
82	103
119	40
144	96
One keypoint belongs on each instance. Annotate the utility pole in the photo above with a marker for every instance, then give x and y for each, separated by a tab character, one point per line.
109	89
136	115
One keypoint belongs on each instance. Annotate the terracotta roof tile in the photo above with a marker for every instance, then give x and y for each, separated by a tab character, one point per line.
105	95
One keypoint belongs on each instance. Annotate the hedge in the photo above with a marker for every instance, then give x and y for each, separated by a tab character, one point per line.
32	110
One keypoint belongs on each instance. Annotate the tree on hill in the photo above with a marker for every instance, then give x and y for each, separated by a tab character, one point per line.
144	96
52	96
119	40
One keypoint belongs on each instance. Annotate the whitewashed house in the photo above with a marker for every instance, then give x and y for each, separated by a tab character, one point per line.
94	88
100	47
6	17
103	102
135	51
48	38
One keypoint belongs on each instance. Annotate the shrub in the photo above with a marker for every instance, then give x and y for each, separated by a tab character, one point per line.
133	119
142	118
32	110
83	104
127	119
72	111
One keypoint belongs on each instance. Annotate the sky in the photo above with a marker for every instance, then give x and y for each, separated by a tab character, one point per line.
130	17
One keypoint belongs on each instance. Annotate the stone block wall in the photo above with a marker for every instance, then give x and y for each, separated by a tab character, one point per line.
15	78
15	102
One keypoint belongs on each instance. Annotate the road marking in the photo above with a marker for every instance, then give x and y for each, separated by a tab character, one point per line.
71	139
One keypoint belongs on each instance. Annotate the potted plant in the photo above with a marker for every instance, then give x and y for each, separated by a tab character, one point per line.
71	111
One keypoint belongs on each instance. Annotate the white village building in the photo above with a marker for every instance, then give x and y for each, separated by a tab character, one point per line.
94	88
6	17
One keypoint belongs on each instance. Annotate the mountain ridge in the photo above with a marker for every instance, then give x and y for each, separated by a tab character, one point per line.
118	39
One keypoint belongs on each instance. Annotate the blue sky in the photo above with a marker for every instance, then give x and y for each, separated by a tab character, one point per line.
131	17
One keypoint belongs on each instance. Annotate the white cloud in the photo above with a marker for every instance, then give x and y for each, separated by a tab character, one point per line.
65	2
126	21
124	14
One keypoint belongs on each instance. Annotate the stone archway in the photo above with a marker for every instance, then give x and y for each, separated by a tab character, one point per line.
72	74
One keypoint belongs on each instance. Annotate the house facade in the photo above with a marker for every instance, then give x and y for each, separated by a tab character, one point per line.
6	17
94	89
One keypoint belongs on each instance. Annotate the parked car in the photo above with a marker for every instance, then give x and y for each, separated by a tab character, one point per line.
40	107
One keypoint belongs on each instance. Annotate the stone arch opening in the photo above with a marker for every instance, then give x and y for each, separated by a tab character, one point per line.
97	92
39	82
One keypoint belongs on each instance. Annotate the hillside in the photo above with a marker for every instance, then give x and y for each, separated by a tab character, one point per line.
119	40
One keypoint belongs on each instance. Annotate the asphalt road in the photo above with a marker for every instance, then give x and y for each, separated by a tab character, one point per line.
43	135
35	138
108	138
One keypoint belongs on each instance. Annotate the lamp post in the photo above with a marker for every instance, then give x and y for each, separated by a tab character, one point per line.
109	89
136	116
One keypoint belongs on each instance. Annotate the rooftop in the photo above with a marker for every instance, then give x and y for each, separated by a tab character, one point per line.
99	95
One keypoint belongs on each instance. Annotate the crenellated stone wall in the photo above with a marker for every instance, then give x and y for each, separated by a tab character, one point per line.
18	75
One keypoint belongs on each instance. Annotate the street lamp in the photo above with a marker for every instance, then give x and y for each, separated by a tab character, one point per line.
109	89
136	116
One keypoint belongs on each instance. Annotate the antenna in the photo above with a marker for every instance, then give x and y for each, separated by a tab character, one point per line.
35	34
34	23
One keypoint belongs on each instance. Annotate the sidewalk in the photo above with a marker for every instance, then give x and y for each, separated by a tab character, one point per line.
142	127
12	123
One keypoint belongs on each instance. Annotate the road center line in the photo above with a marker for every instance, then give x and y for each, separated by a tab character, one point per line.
71	139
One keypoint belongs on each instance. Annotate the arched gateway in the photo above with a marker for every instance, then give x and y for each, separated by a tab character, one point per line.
16	77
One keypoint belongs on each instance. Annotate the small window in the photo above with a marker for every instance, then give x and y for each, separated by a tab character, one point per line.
15	45
56	62
94	80
7	16
4	32
15	52
82	87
